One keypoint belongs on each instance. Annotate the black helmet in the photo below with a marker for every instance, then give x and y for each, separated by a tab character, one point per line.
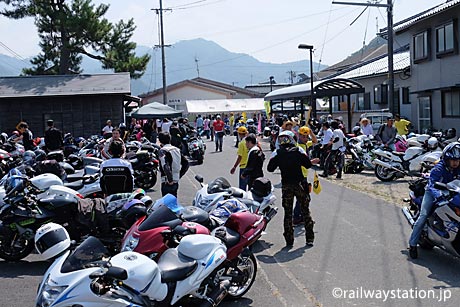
451	151
356	130
451	133
40	155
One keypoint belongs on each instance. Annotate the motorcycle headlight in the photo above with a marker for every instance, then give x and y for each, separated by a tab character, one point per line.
49	294
130	244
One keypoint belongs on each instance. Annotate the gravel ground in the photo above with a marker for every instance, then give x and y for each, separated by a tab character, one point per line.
366	182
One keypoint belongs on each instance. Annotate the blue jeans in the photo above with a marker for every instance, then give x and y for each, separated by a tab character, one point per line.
219	140
243	183
427	205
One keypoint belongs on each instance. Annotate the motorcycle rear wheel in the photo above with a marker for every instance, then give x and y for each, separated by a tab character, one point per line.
384	174
246	265
146	180
15	250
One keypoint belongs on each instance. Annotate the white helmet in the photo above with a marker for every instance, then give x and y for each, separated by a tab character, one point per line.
432	143
51	240
147	200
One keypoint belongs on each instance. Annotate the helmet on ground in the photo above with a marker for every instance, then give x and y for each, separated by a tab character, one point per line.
51	240
432	143
451	152
451	133
286	138
304	130
29	157
242	130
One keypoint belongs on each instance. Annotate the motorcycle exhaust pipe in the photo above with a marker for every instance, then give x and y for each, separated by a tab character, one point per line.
387	165
408	216
217	295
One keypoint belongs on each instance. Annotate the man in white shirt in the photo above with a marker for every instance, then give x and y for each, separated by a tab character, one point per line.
326	131
336	154
107	128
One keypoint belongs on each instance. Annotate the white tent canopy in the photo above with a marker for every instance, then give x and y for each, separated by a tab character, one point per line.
224	105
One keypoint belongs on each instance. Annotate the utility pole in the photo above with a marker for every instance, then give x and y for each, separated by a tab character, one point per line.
162	46
391	80
197	67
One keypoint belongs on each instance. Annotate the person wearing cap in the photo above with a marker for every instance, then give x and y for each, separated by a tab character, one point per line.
242	158
53	137
219	131
401	125
366	127
306	135
386	134
107	128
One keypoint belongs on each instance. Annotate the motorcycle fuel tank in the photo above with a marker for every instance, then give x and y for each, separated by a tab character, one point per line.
44	181
143	274
411	152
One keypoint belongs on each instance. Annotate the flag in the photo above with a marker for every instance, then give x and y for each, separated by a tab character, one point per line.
316	184
267	108
244	116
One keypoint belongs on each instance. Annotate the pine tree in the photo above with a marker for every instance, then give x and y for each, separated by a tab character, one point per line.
70	29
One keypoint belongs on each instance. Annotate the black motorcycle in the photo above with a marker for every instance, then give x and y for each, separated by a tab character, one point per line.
145	165
23	213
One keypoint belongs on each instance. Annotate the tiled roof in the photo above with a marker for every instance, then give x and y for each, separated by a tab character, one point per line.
378	66
64	85
428	13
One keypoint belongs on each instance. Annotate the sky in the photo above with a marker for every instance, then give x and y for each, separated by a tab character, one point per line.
268	30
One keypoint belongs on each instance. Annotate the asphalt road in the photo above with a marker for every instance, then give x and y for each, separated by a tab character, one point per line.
359	257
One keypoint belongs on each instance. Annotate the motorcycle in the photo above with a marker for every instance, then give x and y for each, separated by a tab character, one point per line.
275	130
145	165
23	213
196	146
443	224
183	275
260	202
361	150
391	165
164	228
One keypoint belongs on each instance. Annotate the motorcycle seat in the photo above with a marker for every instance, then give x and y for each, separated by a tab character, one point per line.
231	237
76	185
175	266
74	177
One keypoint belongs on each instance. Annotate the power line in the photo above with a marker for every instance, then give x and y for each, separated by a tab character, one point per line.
17	55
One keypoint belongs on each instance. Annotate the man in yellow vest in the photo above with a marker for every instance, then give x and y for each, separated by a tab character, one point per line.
242	158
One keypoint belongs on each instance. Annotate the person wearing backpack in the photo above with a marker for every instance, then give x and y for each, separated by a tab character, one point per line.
170	165
386	134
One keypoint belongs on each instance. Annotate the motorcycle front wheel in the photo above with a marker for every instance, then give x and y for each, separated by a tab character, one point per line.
384	174
14	247
246	269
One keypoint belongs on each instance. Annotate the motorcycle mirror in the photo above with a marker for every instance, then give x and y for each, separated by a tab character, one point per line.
199	178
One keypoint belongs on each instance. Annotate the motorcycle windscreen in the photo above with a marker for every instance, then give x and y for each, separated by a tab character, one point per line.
88	252
218	185
161	216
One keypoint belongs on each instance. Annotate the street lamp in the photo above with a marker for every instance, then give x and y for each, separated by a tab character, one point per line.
312	103
271	83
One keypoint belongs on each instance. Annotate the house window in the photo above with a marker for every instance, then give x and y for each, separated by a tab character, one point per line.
451	104
445	39
421	46
405	95
381	94
424	113
364	101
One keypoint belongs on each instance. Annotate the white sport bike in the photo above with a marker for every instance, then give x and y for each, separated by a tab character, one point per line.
183	275
392	164
208	197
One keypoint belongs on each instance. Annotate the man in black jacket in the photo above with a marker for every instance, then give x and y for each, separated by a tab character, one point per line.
53	137
290	159
255	163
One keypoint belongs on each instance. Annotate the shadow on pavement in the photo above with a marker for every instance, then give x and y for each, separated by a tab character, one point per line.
283	255
23	268
244	301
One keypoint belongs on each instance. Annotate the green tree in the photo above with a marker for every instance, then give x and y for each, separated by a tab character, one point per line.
70	29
